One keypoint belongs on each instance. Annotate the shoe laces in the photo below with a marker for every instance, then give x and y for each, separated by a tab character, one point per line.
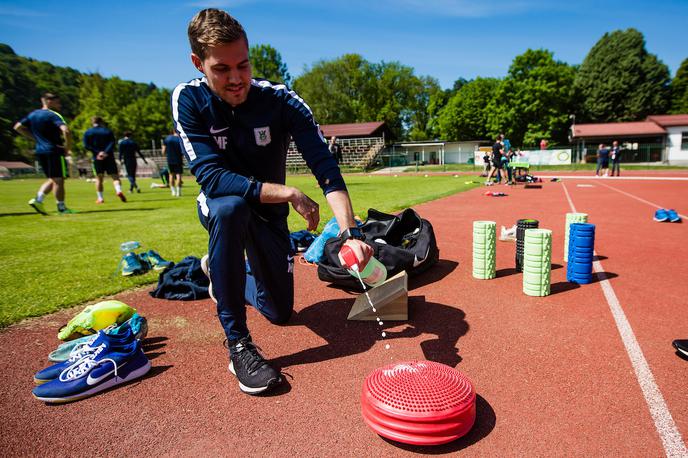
248	354
84	365
82	349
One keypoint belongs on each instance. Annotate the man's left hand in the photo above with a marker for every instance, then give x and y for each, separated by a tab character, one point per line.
307	208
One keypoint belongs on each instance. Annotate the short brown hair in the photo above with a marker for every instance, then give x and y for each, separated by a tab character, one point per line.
211	27
97	120
49	96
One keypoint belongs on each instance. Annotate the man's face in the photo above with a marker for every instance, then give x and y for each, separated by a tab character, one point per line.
228	71
53	104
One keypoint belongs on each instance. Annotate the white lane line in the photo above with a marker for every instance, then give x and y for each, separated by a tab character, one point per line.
652	204
664	422
592	177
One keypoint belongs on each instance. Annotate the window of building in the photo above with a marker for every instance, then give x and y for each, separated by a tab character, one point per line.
684	140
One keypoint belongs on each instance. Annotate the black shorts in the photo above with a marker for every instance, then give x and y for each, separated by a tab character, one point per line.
497	164
53	165
107	165
176	168
603	163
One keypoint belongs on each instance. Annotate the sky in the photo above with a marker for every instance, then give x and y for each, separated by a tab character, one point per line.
145	41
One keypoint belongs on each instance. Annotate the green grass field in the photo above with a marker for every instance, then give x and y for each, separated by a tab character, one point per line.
55	261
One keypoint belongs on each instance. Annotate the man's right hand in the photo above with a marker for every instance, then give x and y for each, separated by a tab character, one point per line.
102	155
306	207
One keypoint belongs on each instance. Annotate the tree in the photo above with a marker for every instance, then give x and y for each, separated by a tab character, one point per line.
679	90
465	115
351	89
534	100
620	81
266	62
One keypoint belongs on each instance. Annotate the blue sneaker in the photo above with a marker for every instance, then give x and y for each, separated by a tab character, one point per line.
154	260
661	215
105	367
132	265
673	216
137	323
123	337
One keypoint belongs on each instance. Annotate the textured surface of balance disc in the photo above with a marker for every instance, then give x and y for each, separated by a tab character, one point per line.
418	403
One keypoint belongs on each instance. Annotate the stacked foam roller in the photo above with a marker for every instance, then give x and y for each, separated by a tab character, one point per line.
581	251
521	226
484	249
570	219
537	262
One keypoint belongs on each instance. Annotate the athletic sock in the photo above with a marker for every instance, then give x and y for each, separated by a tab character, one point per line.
100	195
118	188
39	197
179	191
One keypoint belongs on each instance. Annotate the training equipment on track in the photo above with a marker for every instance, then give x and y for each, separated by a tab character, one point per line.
418	403
581	252
537	262
484	250
390	300
570	219
521	226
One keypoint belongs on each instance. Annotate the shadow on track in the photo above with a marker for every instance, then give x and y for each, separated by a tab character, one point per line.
344	338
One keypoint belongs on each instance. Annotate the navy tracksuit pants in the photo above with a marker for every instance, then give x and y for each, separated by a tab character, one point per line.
267	283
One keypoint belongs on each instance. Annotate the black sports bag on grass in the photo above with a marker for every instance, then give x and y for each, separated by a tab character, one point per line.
401	242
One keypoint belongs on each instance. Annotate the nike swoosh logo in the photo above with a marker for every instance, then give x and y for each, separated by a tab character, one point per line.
214	131
417	262
90	381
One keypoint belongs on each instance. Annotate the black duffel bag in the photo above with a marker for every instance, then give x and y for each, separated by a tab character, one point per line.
401	242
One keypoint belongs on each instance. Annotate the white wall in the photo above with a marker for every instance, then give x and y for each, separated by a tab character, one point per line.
674	152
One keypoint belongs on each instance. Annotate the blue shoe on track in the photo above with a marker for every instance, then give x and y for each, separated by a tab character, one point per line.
661	215
673	216
121	337
105	367
137	323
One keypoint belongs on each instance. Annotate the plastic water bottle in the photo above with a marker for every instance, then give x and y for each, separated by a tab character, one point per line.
128	247
374	274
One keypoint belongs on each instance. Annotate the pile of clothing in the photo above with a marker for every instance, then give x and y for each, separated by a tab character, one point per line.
102	349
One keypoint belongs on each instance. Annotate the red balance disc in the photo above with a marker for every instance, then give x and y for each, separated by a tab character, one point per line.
418	402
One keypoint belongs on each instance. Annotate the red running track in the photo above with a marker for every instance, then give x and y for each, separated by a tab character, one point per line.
553	375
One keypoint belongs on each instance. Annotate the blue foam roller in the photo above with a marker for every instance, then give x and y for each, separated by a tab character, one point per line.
581	253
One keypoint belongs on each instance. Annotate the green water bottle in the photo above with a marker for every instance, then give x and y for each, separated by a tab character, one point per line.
374	274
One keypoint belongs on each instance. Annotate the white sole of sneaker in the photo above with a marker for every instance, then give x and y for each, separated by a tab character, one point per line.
258	390
140	372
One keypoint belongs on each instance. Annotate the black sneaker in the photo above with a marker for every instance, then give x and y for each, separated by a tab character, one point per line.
254	373
681	346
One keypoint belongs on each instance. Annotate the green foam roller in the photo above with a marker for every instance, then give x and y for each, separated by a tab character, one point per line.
537	266
484	249
570	219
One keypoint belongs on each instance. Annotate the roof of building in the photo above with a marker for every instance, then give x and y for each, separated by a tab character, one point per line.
613	129
15	165
361	129
669	120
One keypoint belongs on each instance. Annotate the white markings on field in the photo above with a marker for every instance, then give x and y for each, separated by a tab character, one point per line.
652	204
664	422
